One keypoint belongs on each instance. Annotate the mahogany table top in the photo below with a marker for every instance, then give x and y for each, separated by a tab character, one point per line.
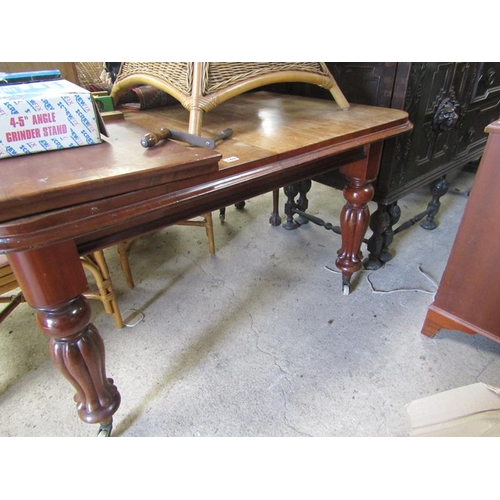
271	133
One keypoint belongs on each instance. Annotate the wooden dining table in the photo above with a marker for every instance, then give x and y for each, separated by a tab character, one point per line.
58	205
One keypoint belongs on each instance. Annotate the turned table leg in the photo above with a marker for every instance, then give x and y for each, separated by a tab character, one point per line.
438	189
355	216
53	280
354	220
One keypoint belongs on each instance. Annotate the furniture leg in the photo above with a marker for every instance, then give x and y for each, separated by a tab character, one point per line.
303	202
381	224
355	216
301	189
123	252
291	192
438	188
208	225
12	302
437	319
353	225
96	264
275	219
222	211
394	215
53	282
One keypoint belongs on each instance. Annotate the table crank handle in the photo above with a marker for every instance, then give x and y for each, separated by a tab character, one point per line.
225	134
151	139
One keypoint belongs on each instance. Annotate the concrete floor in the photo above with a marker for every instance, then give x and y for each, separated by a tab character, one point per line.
258	340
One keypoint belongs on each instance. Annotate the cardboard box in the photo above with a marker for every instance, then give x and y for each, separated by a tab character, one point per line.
469	411
44	116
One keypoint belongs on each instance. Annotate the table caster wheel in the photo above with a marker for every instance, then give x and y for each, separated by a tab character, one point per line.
346	285
105	430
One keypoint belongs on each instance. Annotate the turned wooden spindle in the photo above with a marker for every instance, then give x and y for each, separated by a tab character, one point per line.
64	314
355	215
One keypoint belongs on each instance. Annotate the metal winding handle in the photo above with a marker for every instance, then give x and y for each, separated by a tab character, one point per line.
225	134
151	139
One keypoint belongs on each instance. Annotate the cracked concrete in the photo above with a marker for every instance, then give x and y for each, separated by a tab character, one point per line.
258	340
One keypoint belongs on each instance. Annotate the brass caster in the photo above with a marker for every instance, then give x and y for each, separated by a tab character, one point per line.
105	430
346	285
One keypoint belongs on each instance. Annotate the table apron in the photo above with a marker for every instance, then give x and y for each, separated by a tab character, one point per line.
103	223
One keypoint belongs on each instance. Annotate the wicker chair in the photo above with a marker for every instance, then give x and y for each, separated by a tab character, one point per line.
95	263
202	86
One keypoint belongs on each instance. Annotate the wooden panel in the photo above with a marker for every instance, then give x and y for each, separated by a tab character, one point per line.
436	146
486	83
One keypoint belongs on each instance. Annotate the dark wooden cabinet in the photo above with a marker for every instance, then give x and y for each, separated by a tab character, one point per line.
469	292
449	104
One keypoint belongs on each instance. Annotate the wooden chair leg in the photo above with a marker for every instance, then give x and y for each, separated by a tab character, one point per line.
207	223
96	264
12	302
123	252
209	226
125	246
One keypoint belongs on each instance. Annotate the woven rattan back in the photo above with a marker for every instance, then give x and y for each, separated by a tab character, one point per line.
200	87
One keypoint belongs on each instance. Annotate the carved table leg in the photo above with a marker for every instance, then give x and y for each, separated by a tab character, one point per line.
355	215
354	220
291	192
301	189
53	280
303	202
438	189
222	214
394	215
381	224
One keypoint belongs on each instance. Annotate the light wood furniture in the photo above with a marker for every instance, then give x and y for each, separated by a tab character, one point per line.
8	285
201	86
96	196
95	263
468	297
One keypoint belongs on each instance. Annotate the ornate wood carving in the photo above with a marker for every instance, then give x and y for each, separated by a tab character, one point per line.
450	104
